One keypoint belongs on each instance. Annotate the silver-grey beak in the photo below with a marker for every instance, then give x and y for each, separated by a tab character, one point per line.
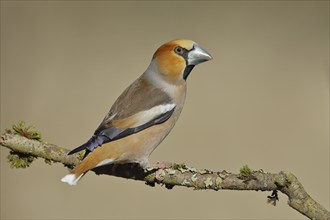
198	55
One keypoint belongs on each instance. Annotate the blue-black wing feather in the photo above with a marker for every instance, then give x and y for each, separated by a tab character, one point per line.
104	135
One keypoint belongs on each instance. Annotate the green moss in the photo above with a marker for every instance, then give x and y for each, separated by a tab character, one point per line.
170	171
218	182
20	160
28	132
279	181
208	182
81	154
245	172
289	178
179	166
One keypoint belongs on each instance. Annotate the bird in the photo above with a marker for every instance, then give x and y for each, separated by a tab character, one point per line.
145	113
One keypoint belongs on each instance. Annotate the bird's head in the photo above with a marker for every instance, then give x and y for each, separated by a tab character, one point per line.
177	58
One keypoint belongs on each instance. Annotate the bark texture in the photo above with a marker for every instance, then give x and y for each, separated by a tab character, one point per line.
25	150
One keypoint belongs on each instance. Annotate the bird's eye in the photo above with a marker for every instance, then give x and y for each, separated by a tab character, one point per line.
179	50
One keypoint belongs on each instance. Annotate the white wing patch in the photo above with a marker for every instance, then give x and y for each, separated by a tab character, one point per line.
163	108
148	115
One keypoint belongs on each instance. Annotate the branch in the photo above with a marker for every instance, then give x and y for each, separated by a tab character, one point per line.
24	150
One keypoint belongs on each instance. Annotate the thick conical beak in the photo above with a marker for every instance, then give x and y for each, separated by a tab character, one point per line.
198	55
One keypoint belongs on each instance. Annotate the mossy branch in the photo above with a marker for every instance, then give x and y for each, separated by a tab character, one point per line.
25	147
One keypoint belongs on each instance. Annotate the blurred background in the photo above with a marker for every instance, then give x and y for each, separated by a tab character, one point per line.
263	101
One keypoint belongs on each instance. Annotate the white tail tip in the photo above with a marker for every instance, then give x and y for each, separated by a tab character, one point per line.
71	179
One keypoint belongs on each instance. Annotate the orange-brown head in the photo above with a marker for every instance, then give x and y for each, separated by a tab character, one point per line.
177	58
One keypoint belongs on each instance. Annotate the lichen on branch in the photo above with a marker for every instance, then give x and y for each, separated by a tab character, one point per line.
28	132
20	160
25	146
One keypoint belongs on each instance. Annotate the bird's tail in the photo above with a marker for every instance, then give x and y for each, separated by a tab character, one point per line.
77	173
72	179
87	163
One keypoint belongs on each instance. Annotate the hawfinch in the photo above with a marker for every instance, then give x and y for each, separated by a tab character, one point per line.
144	113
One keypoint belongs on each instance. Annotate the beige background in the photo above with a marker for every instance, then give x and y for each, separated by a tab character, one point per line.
263	100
